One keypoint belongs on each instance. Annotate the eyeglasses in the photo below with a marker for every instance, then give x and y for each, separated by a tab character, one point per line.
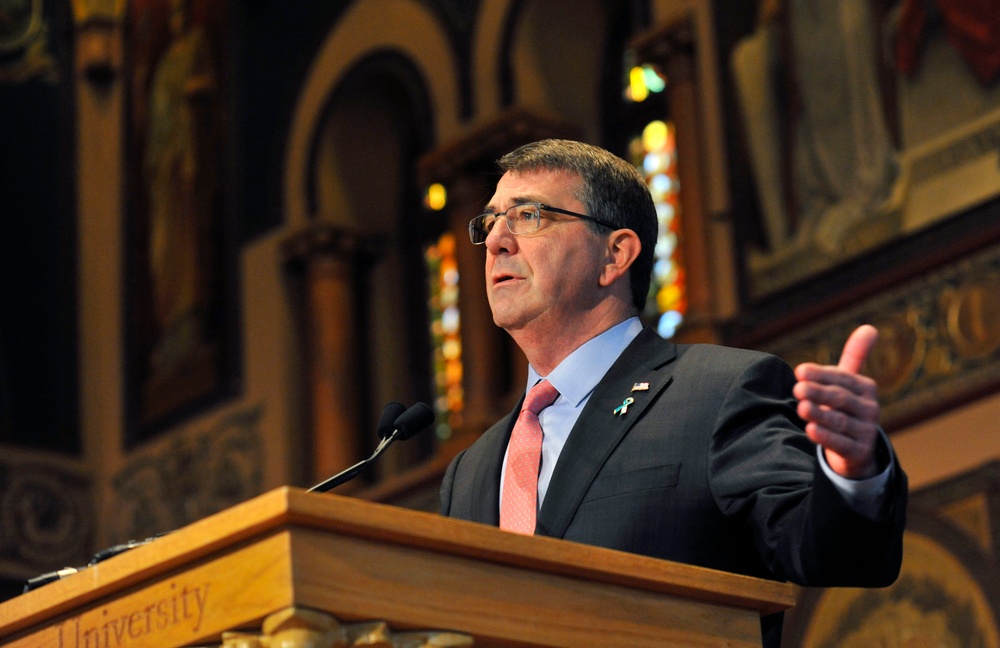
521	219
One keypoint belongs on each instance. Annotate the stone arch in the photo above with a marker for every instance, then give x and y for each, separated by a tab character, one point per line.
365	29
492	27
553	55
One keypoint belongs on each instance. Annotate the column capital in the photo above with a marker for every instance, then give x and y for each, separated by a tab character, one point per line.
483	145
662	43
331	242
98	26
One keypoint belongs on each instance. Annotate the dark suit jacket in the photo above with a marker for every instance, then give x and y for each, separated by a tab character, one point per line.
709	466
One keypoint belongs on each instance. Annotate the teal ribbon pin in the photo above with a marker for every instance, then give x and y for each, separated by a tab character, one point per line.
623	408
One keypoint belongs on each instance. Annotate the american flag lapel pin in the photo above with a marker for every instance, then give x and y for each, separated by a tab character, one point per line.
640	386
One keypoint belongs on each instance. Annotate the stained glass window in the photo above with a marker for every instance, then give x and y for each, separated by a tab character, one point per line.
446	342
654	153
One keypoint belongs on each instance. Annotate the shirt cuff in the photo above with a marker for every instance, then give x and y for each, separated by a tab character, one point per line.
864	496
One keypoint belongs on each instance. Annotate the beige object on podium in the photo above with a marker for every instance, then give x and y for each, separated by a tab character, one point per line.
360	562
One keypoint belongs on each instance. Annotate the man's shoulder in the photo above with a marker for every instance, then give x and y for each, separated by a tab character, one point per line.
717	358
711	350
714	363
650	340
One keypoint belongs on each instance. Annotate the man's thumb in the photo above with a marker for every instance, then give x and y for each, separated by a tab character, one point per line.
857	348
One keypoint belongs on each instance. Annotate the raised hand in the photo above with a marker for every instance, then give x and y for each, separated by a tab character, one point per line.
840	407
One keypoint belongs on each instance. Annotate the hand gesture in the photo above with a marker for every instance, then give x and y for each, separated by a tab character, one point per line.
840	407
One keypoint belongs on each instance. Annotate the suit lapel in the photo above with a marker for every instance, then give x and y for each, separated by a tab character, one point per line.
486	485
599	430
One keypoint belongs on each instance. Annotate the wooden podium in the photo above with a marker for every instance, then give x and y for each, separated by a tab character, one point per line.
360	561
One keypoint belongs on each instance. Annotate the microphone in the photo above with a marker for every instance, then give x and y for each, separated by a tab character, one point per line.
104	554
413	421
404	426
387	423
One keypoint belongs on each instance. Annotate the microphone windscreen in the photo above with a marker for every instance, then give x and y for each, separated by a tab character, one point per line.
414	420
391	412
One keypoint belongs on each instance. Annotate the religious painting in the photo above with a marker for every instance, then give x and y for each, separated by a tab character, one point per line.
855	124
180	297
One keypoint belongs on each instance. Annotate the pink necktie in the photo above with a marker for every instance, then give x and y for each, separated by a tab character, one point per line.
520	484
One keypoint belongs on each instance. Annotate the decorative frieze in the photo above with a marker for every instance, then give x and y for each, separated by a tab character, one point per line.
194	476
45	516
939	342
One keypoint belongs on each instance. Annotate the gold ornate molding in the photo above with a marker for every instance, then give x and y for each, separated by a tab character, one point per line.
939	343
943	593
297	627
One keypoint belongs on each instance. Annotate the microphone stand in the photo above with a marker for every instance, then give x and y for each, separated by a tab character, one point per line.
350	473
407	424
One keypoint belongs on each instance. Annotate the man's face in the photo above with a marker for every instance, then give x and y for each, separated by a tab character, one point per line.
547	279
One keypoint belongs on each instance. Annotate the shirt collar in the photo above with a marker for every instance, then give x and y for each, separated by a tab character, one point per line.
578	374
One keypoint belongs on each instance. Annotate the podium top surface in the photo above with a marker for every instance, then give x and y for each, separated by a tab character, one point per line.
291	508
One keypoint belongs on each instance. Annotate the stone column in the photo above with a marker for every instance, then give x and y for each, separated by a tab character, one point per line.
331	263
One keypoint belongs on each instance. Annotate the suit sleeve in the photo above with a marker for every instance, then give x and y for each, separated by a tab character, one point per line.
764	473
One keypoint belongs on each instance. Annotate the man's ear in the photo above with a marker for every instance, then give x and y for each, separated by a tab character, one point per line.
623	247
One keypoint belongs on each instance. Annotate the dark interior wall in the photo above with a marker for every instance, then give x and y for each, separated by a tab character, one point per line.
273	48
38	345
